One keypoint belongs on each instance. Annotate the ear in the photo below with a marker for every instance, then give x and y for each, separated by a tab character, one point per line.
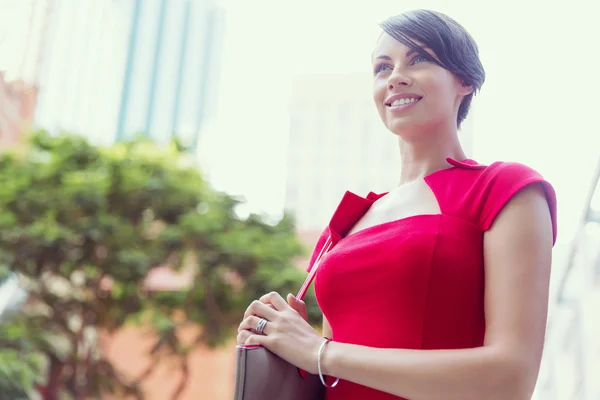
465	89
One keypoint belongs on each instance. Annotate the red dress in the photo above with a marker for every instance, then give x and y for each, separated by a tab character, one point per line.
416	282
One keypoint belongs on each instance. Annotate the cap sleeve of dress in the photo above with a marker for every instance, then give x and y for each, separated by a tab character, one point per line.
502	182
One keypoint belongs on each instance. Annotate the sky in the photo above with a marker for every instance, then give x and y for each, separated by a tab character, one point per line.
539	104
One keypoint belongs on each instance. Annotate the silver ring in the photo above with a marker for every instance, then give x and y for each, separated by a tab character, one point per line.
260	326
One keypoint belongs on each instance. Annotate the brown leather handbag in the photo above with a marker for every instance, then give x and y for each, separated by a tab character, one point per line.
261	375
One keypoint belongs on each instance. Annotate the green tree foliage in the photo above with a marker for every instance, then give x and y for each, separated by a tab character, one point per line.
83	226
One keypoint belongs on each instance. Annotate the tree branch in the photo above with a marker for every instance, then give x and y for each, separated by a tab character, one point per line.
185	371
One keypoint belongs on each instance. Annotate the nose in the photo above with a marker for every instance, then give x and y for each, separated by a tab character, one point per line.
398	78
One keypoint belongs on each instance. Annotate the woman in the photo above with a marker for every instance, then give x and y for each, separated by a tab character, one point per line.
439	288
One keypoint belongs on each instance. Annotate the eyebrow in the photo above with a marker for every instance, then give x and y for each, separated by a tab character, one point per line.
408	53
417	50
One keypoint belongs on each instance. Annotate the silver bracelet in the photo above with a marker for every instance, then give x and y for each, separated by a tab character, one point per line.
319	365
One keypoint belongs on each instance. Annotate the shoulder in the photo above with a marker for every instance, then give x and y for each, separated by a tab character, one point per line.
501	182
479	192
472	172
509	174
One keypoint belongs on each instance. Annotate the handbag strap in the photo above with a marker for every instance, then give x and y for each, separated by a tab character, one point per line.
313	271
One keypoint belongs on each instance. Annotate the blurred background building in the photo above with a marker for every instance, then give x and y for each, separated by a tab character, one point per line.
337	142
18	101
571	365
113	69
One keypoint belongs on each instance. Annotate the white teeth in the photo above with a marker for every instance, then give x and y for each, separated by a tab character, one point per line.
401	102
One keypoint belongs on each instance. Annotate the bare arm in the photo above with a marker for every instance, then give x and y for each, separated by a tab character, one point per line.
327	332
517	256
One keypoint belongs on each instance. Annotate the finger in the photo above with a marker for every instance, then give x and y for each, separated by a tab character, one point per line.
251	323
242	336
294	302
297	305
256	340
261	310
276	300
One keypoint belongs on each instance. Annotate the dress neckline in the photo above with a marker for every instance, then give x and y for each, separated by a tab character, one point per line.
352	207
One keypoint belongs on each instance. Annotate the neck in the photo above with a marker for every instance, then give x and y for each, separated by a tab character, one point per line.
428	155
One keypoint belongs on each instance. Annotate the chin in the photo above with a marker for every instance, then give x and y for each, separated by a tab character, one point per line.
409	127
403	127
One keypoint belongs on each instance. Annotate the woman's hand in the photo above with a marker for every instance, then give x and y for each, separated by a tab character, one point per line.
287	332
297	305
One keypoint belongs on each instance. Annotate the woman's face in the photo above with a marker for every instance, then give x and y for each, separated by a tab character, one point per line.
412	94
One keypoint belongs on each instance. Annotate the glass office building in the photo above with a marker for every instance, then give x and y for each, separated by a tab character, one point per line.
115	68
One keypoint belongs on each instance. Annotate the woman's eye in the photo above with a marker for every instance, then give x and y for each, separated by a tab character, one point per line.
419	59
380	67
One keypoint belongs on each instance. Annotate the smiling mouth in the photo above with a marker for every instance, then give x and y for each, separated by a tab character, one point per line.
402	102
